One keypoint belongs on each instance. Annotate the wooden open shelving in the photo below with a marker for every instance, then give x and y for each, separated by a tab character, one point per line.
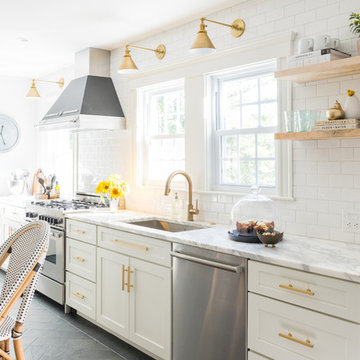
331	69
319	135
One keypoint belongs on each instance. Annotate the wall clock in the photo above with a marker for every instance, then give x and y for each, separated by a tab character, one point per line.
9	133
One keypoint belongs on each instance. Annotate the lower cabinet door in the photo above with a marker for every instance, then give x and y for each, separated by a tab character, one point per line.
287	332
150	307
112	296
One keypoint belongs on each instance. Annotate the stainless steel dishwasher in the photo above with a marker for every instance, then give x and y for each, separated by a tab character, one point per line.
209	305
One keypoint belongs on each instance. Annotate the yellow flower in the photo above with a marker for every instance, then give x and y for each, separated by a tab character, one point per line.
100	187
115	193
106	185
350	92
103	186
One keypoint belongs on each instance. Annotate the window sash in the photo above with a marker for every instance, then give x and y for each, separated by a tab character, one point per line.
148	135
218	132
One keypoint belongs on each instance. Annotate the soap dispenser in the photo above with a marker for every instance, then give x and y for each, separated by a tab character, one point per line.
177	208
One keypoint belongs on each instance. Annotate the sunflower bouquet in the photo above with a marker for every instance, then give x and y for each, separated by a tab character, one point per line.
112	188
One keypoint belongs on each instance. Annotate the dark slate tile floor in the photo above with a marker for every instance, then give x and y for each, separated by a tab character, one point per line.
49	334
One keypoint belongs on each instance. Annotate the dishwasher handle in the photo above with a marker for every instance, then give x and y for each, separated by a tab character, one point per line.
237	269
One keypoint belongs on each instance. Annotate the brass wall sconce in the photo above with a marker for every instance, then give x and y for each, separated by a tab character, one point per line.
203	44
128	66
33	92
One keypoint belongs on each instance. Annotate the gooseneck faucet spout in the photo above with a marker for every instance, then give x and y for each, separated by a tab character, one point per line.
191	211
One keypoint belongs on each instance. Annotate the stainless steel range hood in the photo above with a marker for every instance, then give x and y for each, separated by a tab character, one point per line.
89	102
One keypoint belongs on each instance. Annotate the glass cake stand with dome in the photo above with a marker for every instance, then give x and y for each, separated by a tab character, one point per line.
252	213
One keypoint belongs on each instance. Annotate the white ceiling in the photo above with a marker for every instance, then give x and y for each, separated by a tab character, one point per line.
55	30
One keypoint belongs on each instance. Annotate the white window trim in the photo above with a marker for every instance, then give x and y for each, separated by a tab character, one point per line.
143	130
283	149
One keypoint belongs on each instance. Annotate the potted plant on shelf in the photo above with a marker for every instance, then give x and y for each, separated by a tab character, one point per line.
115	190
355	27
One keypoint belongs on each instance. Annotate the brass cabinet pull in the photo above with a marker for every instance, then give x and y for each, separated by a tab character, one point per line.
115	241
79	231
290	336
129	285
79	295
78	258
290	287
123	278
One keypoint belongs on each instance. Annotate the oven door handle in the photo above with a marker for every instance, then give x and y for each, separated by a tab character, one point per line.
237	269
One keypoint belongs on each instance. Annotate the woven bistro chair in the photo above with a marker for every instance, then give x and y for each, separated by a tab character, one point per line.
26	249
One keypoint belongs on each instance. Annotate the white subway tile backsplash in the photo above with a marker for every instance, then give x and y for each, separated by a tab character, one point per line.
357	154
350	167
329	220
318	154
329	167
295	8
318	231
306	217
317	205
341	181
329	193
317	180
342	154
311	4
339	235
328	89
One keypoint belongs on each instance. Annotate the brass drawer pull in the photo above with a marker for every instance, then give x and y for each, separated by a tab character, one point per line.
78	258
290	336
82	297
143	248
129	285
79	231
290	287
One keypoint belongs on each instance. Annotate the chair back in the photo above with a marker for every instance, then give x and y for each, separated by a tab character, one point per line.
27	249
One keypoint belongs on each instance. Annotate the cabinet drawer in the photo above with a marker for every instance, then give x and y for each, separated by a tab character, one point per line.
331	296
143	247
282	332
81	295
253	356
81	231
81	259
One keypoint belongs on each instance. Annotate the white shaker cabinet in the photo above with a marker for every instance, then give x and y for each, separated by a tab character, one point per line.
134	300
112	296
150	307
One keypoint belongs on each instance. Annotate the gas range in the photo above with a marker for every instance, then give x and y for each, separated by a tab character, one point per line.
54	211
52	279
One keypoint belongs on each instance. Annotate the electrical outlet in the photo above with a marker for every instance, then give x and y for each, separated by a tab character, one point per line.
351	221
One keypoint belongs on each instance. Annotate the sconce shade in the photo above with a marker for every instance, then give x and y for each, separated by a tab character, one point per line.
127	66
202	43
33	93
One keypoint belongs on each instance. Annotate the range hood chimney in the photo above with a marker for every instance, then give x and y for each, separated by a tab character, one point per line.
90	101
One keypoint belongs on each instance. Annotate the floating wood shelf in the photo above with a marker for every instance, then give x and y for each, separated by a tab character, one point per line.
319	135
331	69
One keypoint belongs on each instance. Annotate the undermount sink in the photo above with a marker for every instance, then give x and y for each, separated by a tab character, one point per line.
166	225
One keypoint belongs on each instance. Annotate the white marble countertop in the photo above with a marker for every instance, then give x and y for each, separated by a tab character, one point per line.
331	258
15	200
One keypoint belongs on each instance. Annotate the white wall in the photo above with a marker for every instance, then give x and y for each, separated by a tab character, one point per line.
326	173
14	104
